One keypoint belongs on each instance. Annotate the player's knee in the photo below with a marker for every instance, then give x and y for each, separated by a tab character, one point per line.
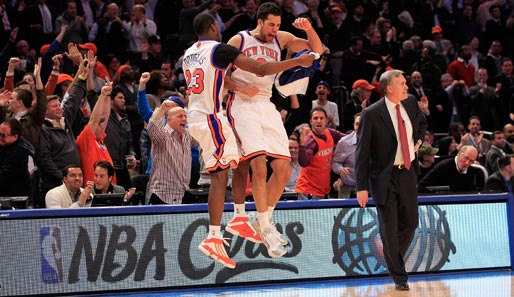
282	168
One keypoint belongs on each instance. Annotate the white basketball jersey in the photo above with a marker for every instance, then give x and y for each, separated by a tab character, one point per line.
204	78
261	51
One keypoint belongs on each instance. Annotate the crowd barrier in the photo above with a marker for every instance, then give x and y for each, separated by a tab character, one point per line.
102	250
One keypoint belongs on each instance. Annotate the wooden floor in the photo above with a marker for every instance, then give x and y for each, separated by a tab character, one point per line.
497	283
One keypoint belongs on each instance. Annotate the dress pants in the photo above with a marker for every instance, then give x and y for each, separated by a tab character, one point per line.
398	220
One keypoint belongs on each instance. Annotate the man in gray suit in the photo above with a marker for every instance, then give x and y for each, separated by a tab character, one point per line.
502	180
390	133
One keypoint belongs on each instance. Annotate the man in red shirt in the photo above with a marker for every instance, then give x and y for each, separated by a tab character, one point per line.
90	141
461	68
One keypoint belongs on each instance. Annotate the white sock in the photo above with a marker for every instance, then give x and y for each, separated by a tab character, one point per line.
263	219
239	210
270	212
214	231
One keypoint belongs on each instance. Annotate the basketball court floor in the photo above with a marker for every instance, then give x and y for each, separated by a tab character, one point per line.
485	283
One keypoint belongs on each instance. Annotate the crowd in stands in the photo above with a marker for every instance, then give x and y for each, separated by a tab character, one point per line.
80	80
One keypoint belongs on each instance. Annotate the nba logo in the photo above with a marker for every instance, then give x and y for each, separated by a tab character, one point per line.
51	261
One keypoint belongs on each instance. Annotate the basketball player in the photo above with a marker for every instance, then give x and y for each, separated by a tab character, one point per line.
204	66
258	124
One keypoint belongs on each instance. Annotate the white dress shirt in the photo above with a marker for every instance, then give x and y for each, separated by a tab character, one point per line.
408	126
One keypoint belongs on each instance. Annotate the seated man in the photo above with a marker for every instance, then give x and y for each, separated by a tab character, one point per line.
495	152
70	194
104	173
457	173
14	157
426	159
295	166
502	180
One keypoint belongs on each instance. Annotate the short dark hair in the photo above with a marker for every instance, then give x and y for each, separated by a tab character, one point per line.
493	7
21	83
504	161
461	49
52	97
115	91
355	39
15	126
319	108
66	169
497	132
106	165
202	22
474	117
266	9
506	59
25	96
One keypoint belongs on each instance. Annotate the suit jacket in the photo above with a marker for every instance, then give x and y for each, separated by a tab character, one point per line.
483	147
439	120
488	107
491	158
496	182
436	121
14	174
426	91
377	144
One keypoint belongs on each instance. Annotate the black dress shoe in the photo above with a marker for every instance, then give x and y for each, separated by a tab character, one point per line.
402	286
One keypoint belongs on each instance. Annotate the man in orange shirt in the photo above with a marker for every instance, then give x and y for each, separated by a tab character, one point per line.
315	156
90	141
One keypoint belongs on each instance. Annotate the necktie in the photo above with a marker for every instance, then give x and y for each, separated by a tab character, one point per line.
403	138
509	186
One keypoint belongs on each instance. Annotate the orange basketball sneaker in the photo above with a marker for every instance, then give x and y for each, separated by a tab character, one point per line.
241	227
213	247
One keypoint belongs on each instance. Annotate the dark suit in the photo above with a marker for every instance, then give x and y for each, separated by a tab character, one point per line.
428	93
488	106
36	38
491	159
393	190
439	120
496	182
414	92
14	173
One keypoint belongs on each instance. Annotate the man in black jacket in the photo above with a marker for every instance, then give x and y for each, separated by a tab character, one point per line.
457	173
389	135
14	156
119	139
502	180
